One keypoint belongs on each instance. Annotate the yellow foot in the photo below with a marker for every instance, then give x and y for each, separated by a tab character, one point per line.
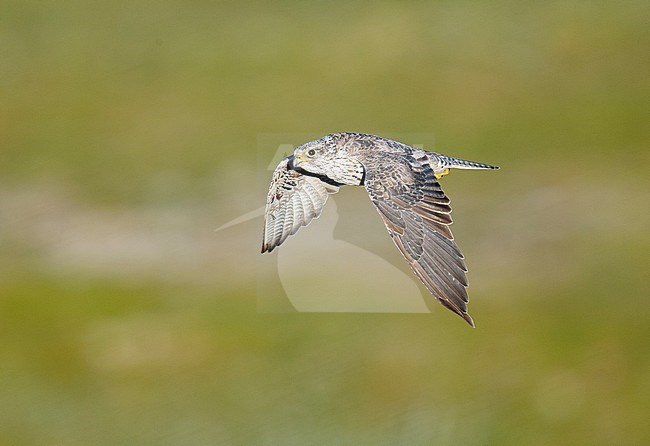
442	174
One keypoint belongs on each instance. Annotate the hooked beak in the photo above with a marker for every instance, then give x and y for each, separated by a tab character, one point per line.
297	159
293	162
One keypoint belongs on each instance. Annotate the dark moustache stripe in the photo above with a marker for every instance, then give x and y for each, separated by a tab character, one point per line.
323	178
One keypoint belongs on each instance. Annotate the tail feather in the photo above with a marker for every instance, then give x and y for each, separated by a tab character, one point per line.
448	162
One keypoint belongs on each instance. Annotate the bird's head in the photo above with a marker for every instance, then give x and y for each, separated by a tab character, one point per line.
313	156
324	157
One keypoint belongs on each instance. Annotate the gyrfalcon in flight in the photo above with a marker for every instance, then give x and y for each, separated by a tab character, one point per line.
402	182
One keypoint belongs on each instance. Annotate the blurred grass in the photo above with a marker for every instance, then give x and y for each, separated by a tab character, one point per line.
128	131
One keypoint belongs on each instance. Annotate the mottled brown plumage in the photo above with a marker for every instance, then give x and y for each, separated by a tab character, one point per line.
402	182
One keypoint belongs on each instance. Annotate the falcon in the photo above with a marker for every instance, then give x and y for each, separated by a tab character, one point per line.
402	182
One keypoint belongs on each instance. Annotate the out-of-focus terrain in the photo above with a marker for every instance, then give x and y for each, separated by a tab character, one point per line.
130	131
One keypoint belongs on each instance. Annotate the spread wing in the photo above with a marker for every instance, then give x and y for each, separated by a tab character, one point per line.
293	201
417	214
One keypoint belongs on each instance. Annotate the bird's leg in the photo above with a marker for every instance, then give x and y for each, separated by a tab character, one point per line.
442	174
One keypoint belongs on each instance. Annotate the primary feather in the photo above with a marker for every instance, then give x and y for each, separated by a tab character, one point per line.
402	182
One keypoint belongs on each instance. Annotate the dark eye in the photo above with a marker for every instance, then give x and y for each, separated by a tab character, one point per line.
311	152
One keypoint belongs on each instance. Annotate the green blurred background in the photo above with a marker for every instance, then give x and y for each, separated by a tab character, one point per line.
129	131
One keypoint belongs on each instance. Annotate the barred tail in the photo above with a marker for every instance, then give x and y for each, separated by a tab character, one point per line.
448	162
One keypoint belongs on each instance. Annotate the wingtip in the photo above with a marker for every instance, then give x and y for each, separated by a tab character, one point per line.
267	248
468	319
